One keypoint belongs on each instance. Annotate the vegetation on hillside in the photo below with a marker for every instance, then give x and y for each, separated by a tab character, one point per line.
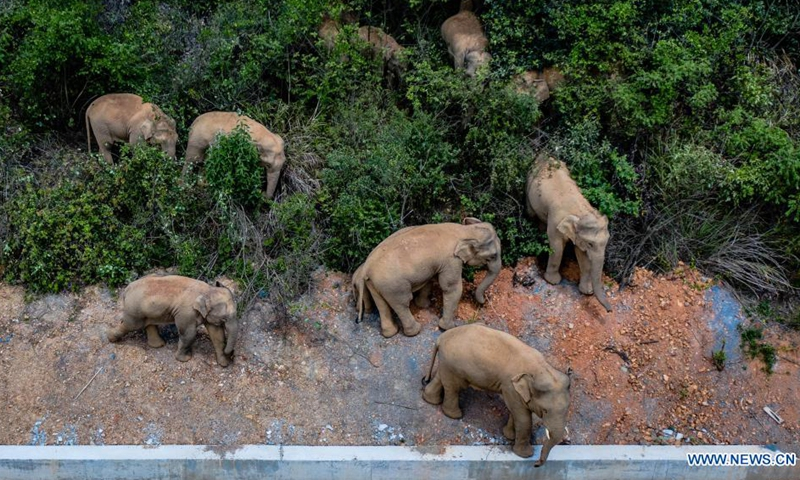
680	121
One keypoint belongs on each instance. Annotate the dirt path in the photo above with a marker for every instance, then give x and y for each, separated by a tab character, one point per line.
326	380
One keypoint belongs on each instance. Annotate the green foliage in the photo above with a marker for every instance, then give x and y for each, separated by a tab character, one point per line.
233	168
753	347
718	358
389	172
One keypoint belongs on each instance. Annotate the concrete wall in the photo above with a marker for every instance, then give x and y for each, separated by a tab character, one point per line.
566	462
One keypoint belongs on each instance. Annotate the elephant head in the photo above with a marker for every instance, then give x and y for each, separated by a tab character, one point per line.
474	60
546	395
218	308
271	153
480	246
160	130
589	233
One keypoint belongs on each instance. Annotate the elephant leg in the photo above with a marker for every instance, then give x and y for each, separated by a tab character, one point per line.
153	337
433	391
585	286
217	335
557	243
450	281
104	141
522	424
388	328
452	387
193	155
508	430
128	324
423	297
185	340
399	303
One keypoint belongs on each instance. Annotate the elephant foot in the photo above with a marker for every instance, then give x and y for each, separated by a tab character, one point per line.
523	450
552	278
455	413
389	332
586	289
446	324
156	342
509	433
422	302
412	329
112	335
223	361
432	397
183	356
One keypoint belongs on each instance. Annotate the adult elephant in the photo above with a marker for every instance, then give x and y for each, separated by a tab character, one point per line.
555	198
124	117
407	261
206	127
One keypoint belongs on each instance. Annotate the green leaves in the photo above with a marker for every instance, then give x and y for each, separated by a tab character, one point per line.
233	168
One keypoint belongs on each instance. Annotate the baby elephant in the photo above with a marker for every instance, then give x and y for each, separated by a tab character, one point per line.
466	42
189	303
408	260
486	359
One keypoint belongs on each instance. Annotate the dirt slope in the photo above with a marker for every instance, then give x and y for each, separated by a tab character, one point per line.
324	380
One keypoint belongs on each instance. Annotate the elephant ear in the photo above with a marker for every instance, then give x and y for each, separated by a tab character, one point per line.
202	305
466	249
522	386
470	221
148	129
569	227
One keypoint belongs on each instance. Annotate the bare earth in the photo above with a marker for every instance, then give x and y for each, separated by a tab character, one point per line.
326	380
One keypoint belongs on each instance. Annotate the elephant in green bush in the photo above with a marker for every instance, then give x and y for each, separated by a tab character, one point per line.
124	117
189	303
487	359
555	198
466	42
207	126
407	261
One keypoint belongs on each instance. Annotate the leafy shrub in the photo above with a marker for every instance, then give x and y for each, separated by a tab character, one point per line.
233	168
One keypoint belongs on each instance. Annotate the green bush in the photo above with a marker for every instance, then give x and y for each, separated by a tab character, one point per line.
233	168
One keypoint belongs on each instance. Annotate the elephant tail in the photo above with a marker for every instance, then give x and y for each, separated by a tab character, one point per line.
360	287
427	378
88	132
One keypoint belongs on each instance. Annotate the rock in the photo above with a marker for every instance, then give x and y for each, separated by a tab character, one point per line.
679	436
668	432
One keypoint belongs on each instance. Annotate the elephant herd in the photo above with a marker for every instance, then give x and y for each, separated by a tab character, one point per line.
402	267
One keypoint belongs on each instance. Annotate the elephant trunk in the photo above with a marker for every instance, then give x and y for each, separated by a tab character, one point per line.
232	329
272	183
597	284
555	432
169	148
494	270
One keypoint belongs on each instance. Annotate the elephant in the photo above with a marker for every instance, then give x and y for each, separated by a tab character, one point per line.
406	262
539	84
389	50
155	300
554	197
207	126
483	358
124	117
466	42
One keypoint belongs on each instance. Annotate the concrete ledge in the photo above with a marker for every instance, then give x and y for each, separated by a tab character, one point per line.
298	462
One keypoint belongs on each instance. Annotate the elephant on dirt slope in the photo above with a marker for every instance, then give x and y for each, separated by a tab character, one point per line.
189	303
487	359
204	131
124	117
555	198
407	261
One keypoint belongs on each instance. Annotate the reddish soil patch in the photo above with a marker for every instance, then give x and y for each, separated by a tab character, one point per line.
323	379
